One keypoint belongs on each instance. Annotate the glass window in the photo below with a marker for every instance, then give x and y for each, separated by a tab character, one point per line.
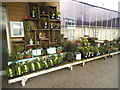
93	16
78	12
114	19
86	14
99	16
105	14
66	10
109	18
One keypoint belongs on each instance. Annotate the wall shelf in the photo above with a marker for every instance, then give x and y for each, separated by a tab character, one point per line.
42	22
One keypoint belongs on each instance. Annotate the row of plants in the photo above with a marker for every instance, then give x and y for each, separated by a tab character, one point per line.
83	47
25	67
19	52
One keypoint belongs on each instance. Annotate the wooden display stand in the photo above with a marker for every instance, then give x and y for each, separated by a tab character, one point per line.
44	23
24	78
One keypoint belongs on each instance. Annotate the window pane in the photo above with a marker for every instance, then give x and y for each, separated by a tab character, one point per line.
78	12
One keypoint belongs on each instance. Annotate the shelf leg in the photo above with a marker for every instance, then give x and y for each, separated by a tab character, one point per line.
104	58
23	81
71	67
83	63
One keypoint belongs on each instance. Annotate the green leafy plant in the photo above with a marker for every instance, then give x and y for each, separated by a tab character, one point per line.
60	58
30	25
68	56
19	47
44	22
11	71
44	45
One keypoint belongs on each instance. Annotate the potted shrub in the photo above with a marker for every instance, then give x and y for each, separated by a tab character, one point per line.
69	56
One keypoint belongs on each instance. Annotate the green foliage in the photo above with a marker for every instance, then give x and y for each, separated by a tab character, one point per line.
19	47
85	42
60	58
44	45
71	47
68	56
30	25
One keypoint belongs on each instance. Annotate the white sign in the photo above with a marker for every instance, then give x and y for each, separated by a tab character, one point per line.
36	52
51	50
78	56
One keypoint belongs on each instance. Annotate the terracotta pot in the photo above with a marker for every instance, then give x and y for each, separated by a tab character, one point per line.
27	56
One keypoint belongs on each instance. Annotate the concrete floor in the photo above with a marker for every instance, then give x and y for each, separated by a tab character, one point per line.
95	74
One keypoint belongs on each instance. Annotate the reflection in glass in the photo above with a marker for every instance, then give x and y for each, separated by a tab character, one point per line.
17	29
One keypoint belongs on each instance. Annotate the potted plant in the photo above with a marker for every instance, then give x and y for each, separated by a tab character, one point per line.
18	69
44	63
12	57
44	22
96	51
54	59
60	58
19	47
32	66
38	65
43	8
25	67
52	13
28	54
30	25
64	44
50	62
11	71
19	56
58	15
69	56
59	49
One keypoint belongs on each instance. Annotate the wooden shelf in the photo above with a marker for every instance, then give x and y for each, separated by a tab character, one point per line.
54	42
47	33
15	41
44	39
54	20
33	45
33	19
55	29
44	29
44	15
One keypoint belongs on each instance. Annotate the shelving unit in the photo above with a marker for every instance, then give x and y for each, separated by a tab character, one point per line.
43	19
